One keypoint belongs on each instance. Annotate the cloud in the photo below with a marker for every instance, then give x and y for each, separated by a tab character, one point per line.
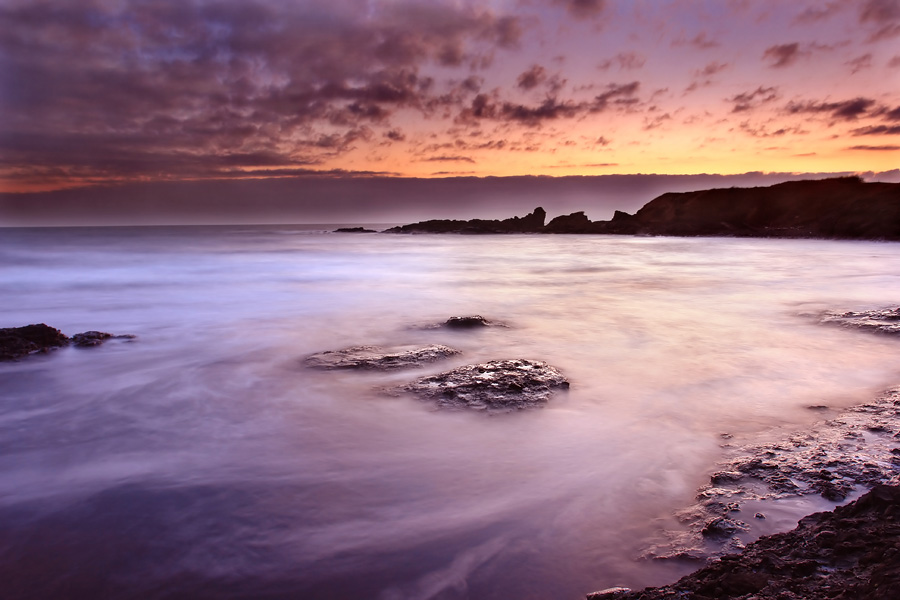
819	12
882	17
395	135
875	148
699	41
448	159
711	69
846	110
782	55
625	60
877	130
532	78
582	9
747	101
860	63
602	141
101	88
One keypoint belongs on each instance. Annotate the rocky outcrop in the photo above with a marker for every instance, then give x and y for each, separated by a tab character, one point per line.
17	342
876	321
378	358
495	386
852	552
354	230
468	322
530	223
837	208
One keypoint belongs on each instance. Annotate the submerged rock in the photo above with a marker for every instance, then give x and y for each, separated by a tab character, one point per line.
378	358
495	386
851	552
878	321
16	342
469	322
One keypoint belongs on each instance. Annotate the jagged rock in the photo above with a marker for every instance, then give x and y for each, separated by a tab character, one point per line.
722	527
851	552
469	322
878	321
530	223
495	386
354	230
574	223
378	358
16	342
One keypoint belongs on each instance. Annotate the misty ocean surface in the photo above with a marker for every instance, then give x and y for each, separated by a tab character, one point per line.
203	460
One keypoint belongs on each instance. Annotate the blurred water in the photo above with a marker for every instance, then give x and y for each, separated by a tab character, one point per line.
202	459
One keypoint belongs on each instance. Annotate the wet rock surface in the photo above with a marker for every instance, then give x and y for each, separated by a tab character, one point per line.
495	386
852	552
876	321
18	342
469	322
857	449
379	358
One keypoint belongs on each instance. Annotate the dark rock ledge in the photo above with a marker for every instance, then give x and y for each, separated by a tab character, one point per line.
17	342
378	358
852	552
497	386
855	450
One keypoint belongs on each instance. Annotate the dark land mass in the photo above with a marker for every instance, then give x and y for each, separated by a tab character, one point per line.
17	342
354	230
852	552
838	208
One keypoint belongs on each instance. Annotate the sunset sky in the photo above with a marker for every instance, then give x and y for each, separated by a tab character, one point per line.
99	91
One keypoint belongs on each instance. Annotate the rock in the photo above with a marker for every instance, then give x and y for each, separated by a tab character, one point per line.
470	322
722	527
95	338
378	358
16	342
354	230
877	321
851	552
530	223
613	593
495	386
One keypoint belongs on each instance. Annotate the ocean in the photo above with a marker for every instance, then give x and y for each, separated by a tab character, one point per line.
204	460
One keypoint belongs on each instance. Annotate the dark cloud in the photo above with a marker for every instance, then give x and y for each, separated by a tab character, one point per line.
532	78
449	159
782	55
846	110
395	135
746	101
485	106
877	130
101	88
602	141
876	148
625	60
582	9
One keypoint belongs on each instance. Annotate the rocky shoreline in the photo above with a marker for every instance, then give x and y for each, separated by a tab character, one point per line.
851	552
836	208
18	342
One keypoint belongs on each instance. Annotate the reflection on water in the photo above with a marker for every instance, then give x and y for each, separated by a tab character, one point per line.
203	460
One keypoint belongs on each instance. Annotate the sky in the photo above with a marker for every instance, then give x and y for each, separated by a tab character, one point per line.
103	93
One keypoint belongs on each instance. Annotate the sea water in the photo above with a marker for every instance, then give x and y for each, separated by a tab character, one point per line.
203	460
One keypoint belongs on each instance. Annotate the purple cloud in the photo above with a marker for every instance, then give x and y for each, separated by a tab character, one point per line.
782	55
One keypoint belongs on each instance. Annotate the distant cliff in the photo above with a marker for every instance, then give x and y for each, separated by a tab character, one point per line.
840	208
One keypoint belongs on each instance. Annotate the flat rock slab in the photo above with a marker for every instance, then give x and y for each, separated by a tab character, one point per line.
879	321
377	358
495	386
